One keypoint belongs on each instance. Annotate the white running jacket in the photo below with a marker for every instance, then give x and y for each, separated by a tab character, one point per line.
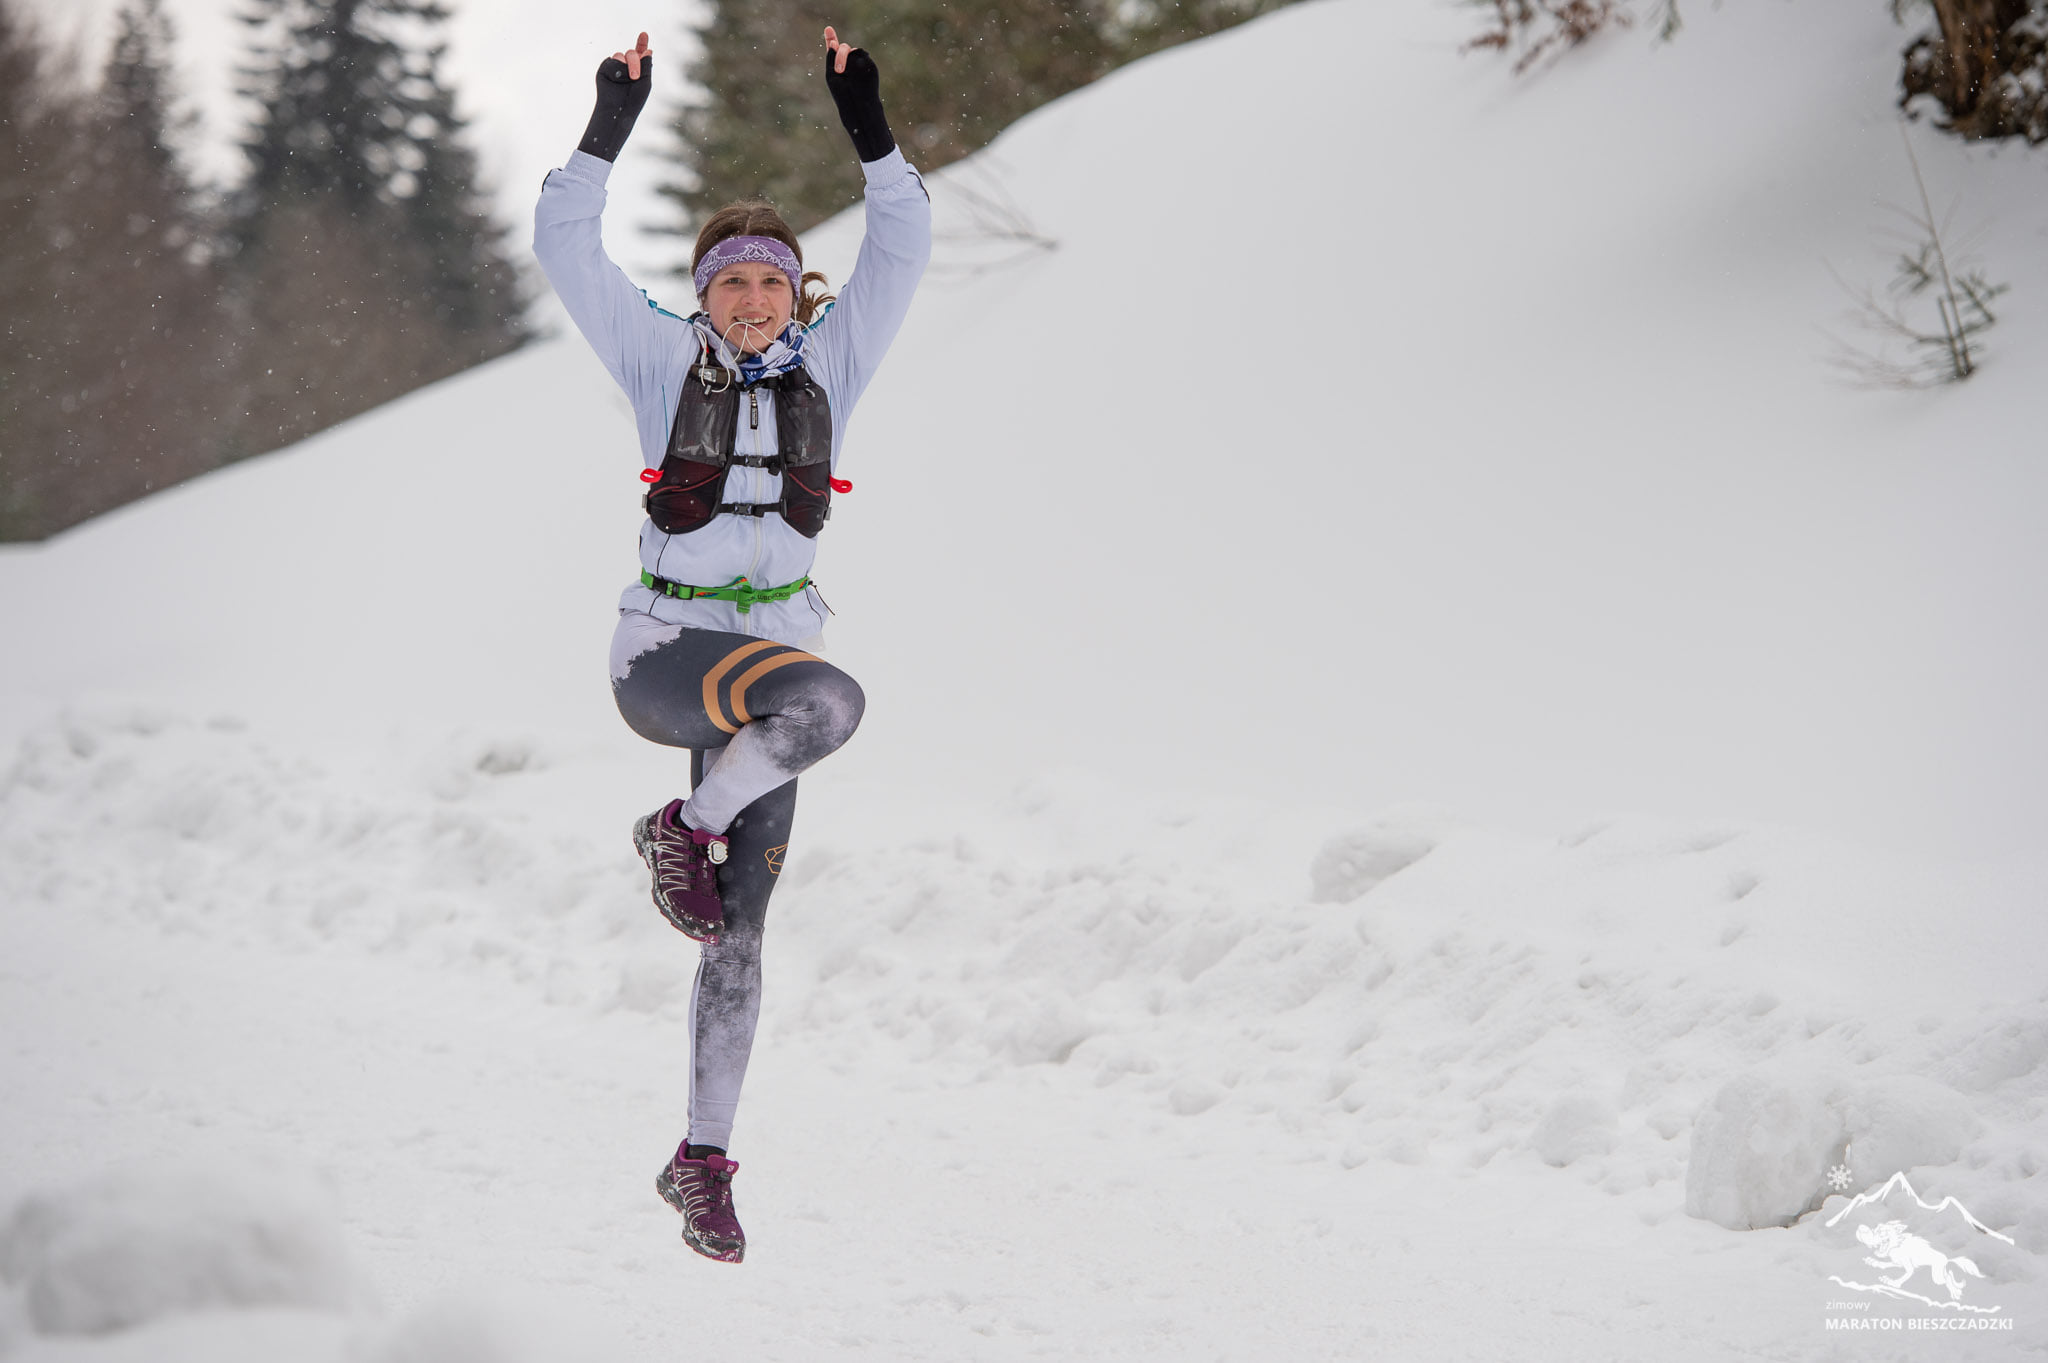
649	352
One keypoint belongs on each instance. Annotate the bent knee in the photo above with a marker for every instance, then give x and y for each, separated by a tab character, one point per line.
831	710
850	703
818	719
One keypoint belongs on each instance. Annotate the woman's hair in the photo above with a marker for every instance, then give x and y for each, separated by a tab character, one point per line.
758	218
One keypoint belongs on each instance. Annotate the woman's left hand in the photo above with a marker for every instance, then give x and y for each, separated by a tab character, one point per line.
836	52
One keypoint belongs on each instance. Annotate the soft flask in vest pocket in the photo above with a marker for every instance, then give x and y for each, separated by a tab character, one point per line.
693	473
686	498
803	433
806	510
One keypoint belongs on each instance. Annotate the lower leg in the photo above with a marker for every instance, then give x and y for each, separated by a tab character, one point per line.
726	1007
725	1003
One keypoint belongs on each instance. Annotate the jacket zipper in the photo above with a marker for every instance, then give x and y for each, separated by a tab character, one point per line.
755	492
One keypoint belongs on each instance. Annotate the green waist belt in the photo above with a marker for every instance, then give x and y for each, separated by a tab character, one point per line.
743	597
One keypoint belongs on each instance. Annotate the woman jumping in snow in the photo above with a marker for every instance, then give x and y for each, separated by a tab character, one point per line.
742	409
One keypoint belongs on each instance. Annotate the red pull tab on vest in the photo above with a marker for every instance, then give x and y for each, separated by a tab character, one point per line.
650	475
841	484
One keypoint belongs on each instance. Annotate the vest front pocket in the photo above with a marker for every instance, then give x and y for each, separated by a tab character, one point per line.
684	500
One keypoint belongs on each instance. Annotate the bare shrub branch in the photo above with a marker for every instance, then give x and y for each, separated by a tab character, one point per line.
1543	28
1910	353
983	227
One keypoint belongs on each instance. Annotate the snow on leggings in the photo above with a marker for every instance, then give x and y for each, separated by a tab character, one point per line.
754	714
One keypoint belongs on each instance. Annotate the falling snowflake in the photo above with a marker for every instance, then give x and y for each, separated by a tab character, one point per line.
1839	1178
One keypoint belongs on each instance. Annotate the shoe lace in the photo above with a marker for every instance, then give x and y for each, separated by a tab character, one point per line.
680	864
707	1189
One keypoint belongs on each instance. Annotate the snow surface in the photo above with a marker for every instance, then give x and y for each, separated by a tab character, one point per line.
1505	779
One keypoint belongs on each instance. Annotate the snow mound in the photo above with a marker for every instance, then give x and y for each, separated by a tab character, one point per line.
1352	864
1764	1146
1761	1148
206	1263
266	1335
14	1324
1576	1126
132	1246
225	836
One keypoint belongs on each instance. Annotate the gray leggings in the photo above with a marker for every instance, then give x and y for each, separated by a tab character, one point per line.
775	710
754	714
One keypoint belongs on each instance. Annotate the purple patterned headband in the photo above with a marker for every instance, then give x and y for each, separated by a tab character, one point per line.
734	250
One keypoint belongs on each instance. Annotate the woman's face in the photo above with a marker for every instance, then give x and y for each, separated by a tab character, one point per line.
750	304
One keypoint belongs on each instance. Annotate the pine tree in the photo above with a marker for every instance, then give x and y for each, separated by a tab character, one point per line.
366	264
106	300
477	291
35	139
146	293
30	141
139	118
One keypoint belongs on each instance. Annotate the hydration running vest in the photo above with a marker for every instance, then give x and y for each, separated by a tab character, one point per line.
689	487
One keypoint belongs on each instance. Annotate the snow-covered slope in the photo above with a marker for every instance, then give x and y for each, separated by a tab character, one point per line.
1403	430
1417	746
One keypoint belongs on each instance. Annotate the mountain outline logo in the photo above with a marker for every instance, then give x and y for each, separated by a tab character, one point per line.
1894	1247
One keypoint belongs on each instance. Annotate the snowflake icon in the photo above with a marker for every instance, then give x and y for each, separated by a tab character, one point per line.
1839	1178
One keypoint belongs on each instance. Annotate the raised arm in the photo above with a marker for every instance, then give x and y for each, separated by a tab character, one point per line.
633	340
854	336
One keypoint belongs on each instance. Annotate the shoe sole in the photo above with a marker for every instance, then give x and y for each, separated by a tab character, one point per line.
724	1251
696	929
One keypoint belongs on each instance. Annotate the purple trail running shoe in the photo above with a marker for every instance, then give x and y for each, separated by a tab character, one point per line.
701	1189
685	864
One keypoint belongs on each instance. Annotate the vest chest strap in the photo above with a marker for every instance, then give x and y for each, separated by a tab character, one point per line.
756	509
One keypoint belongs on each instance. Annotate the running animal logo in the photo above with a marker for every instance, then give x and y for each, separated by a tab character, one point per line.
1899	1248
1892	1247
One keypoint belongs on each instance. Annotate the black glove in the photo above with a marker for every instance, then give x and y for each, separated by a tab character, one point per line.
619	101
858	92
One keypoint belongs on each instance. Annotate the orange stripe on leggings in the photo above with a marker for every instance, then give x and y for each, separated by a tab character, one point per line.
758	671
717	675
